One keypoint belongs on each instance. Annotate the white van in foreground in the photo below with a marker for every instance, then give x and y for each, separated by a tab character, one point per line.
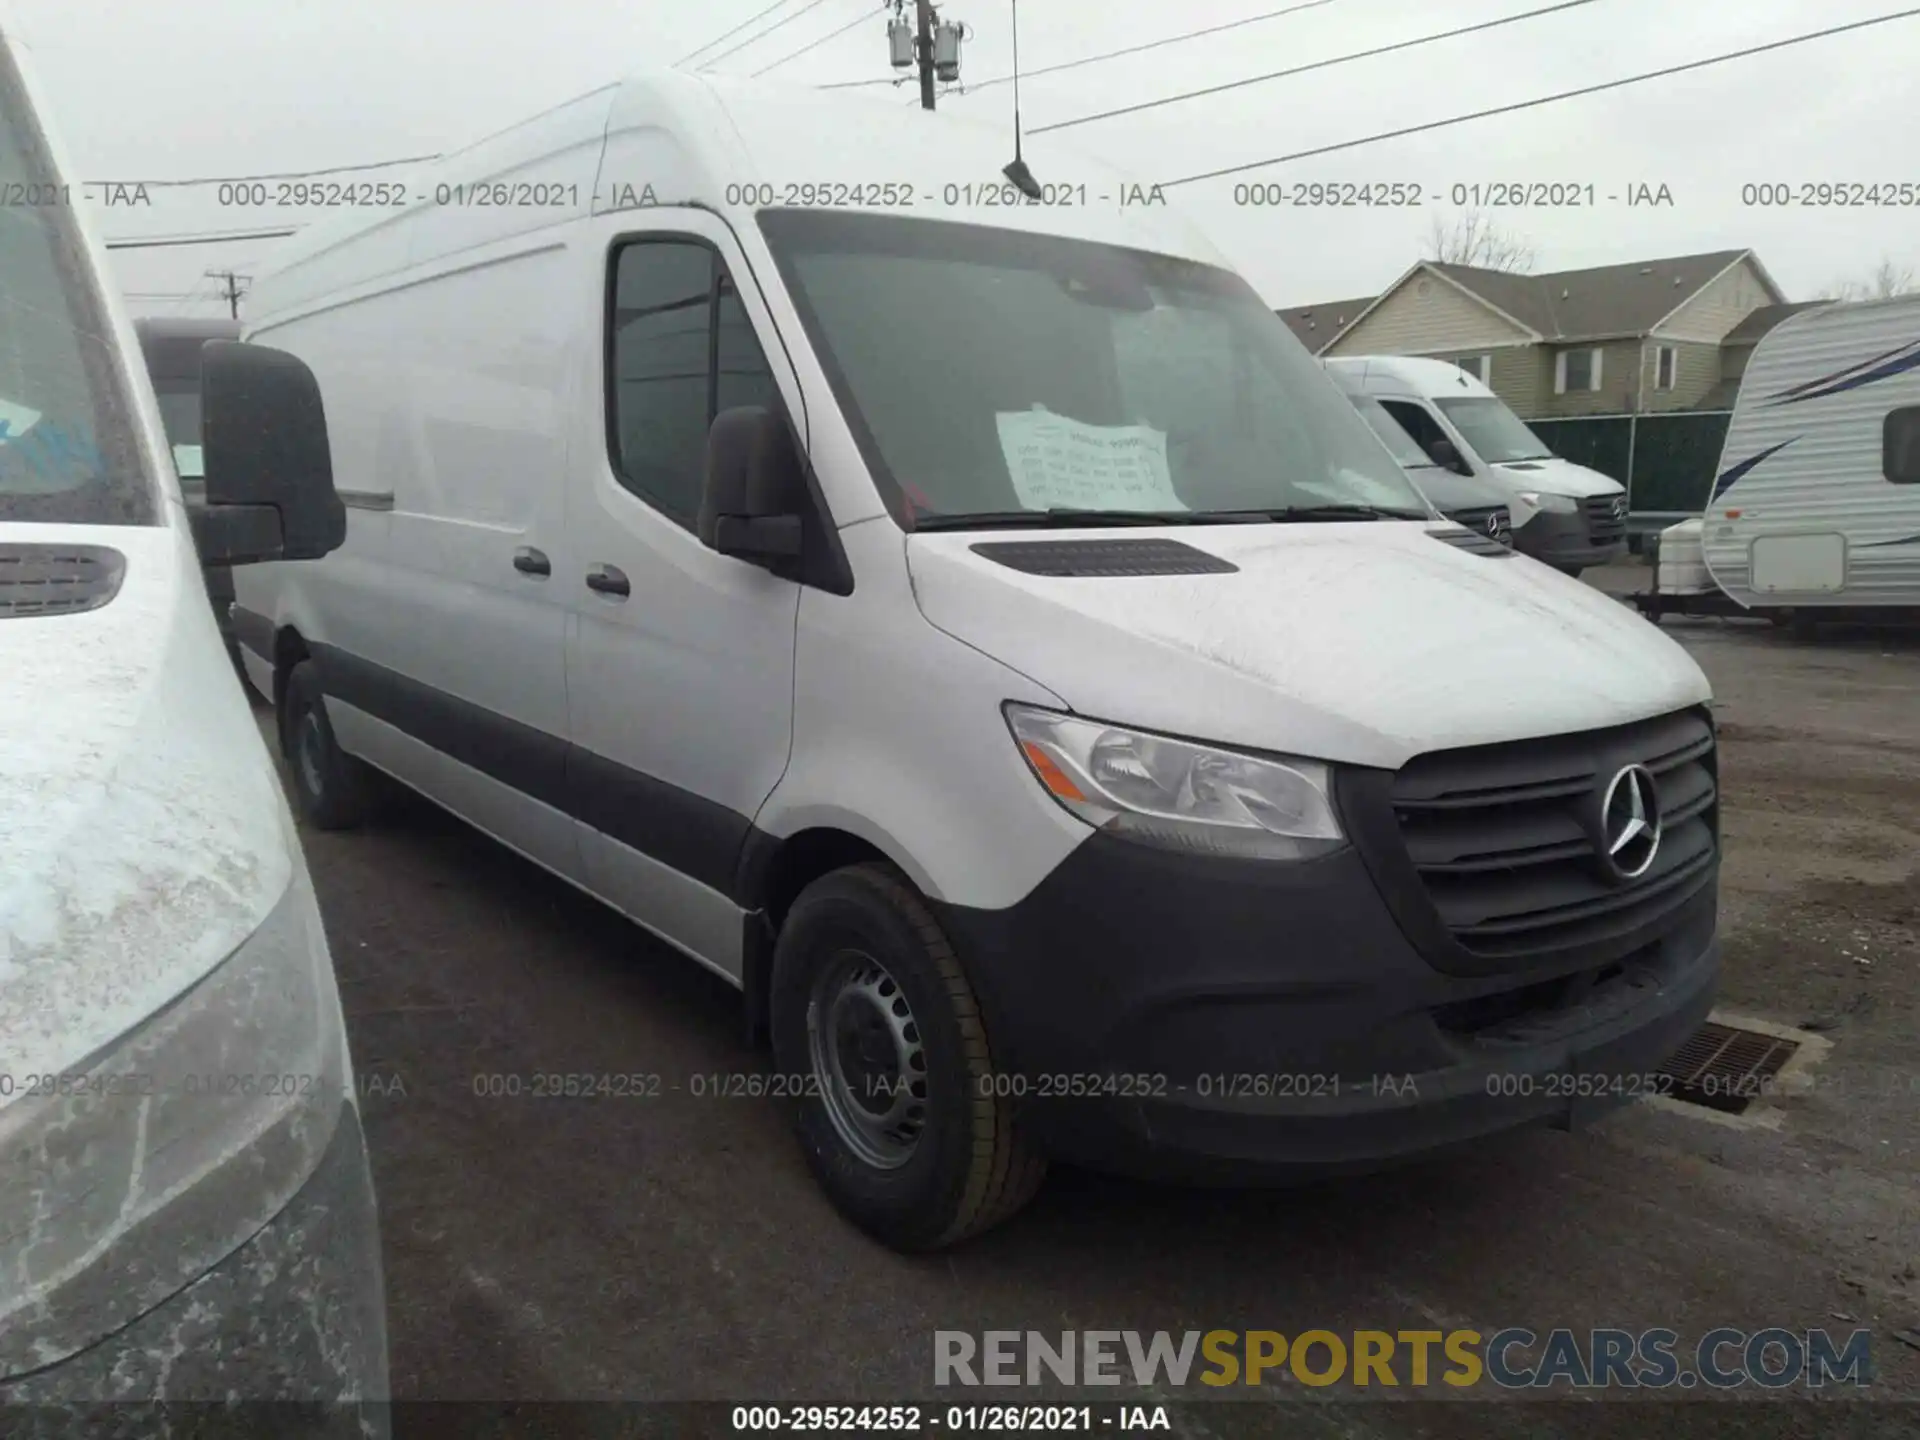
980	631
1565	514
185	1207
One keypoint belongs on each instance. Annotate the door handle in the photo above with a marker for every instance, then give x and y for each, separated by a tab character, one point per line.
529	561
608	580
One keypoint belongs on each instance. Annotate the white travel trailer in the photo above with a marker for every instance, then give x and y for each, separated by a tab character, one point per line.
1816	509
979	631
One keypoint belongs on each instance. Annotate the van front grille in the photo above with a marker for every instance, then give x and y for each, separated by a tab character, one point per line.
1492	522
1606	518
58	579
1496	857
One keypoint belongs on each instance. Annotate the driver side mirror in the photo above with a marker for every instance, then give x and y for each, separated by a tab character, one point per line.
269	471
1444	454
755	490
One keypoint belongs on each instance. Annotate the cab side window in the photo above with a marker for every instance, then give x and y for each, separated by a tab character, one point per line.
680	349
1415	420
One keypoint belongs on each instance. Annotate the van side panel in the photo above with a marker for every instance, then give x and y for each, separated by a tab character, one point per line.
471	655
1803	461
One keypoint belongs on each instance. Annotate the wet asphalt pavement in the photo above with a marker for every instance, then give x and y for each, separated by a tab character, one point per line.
657	1244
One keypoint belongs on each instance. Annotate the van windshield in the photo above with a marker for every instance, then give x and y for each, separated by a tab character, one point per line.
1497	435
993	374
69	451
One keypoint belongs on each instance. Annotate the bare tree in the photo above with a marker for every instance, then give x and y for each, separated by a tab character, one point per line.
1886	281
1472	239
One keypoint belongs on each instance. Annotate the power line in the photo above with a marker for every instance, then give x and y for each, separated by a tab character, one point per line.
731	33
1548	99
1316	65
830	35
1110	54
210	238
714	60
278	175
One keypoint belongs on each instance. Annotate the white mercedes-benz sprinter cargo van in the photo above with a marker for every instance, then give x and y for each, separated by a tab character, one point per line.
1565	514
980	631
1466	500
186	1212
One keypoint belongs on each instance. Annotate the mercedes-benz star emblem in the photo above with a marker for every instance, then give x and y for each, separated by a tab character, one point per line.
1630	822
1494	527
1619	505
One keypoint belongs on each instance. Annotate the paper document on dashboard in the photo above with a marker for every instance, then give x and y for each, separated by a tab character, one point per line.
1055	460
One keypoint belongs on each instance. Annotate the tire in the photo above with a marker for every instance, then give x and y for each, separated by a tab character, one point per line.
333	790
860	943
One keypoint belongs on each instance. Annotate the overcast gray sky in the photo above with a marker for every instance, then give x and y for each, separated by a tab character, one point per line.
188	88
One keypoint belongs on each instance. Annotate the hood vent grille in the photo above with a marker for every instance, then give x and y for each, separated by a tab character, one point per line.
1103	559
58	579
1472	541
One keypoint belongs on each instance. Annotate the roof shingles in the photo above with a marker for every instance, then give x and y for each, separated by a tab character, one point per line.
1562	306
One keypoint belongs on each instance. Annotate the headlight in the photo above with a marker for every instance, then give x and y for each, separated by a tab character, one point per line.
1176	794
1529	503
130	1175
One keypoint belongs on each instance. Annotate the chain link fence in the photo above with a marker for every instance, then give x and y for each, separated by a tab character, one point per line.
1667	462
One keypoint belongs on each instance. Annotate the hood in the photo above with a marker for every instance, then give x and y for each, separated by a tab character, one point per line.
1450	491
1556	477
145	832
1360	643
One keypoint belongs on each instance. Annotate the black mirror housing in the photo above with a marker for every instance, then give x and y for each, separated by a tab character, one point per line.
1445	453
269	469
755	492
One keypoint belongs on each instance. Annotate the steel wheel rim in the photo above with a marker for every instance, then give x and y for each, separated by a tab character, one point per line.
869	1065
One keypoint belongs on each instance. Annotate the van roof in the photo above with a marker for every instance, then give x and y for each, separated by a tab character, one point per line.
1411	374
733	147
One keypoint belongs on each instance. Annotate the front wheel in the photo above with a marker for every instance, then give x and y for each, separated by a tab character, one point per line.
333	789
875	1024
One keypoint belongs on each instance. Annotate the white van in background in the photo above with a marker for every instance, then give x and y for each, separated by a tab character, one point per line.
979	631
186	1212
1565	514
1466	500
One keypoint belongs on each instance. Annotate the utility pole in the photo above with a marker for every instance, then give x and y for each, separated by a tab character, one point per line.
923	49
232	292
929	44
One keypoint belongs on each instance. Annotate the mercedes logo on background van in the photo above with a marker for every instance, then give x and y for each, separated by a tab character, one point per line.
1619	506
1630	822
1494	527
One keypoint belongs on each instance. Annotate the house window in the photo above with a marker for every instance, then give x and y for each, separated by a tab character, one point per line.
1576	370
1900	446
1666	361
1480	367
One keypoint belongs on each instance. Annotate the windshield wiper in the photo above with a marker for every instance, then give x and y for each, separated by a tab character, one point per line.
1059	517
1289	513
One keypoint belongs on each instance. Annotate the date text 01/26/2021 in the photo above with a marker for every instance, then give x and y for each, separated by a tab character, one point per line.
959	1419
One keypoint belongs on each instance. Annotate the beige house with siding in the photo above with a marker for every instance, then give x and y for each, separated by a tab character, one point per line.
1615	340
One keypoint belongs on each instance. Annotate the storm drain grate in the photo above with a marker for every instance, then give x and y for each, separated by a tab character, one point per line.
1725	1068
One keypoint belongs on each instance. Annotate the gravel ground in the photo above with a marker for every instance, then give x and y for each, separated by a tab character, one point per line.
675	1249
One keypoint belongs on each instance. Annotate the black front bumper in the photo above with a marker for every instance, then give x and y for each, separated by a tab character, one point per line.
1569	540
287	1336
1163	1014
